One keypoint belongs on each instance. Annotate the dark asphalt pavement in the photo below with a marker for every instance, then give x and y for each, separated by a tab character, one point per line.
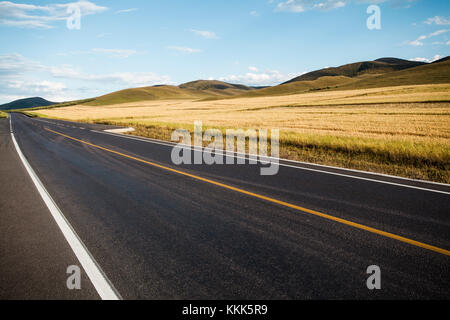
34	254
161	235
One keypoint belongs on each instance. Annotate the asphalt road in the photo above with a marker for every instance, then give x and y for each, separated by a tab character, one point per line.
221	231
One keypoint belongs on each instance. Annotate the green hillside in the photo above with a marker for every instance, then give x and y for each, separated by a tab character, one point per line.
147	93
215	87
322	83
379	66
26	103
200	89
432	73
423	73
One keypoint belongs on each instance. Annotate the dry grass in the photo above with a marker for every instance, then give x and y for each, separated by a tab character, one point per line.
396	130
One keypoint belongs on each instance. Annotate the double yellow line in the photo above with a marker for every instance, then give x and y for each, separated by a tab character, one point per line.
272	200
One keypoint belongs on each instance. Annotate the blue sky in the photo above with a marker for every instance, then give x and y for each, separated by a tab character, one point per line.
123	44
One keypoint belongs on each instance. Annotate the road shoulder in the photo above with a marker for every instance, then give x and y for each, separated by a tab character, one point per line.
34	256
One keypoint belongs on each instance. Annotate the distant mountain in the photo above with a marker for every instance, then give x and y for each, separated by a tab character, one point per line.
26	103
379	66
385	72
442	60
428	73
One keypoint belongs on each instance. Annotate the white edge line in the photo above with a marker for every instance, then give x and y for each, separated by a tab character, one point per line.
101	283
120	130
287	165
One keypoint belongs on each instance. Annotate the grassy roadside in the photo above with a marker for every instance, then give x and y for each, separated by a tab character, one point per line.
401	131
426	161
3	115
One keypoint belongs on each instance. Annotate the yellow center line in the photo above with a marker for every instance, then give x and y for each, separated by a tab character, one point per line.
272	200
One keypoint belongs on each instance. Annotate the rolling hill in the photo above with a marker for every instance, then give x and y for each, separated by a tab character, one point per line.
215	87
379	66
430	73
26	103
199	89
385	72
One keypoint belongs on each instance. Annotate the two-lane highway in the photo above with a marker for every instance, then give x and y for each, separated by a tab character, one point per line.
159	231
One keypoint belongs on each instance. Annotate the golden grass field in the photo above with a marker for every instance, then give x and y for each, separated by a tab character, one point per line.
403	130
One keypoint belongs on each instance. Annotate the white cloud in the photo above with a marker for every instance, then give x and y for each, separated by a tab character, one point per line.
436	33
118	53
16	64
419	40
54	91
184	49
121	78
254	13
204	33
103	35
21	77
304	5
254	69
435	58
5	98
34	16
129	78
438	20
115	53
298	6
402	3
291	6
255	78
126	10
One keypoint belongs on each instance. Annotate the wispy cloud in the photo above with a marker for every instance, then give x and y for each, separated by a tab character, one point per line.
53	91
438	20
259	78
115	53
35	16
118	53
126	10
184	49
103	35
305	5
16	81
402	3
435	58
120	78
419	41
16	64
21	77
298	6
204	33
